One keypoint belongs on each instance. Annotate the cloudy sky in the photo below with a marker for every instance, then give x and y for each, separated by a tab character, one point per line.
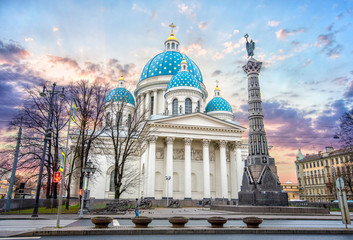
306	46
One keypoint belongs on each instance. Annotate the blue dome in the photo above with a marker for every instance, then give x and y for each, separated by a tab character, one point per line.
168	63
120	95
183	79
218	104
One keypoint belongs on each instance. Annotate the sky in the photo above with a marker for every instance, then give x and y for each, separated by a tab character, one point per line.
305	46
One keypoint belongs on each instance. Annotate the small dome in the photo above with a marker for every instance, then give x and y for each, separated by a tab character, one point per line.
183	79
168	63
172	37
218	104
120	95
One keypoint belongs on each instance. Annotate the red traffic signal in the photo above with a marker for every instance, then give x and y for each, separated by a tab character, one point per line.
57	177
80	192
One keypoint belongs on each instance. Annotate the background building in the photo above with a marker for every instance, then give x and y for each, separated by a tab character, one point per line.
316	174
292	189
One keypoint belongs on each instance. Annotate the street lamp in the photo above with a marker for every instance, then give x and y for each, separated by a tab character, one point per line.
87	171
167	178
47	137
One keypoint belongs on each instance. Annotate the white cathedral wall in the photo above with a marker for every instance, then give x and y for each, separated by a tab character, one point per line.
99	184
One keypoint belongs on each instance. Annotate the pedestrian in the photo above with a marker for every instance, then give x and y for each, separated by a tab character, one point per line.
137	205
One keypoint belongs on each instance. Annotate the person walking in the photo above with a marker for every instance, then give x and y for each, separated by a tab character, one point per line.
137	205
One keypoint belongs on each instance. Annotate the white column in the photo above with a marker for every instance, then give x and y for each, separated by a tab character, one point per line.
151	166
206	169
147	105
187	190
146	180
240	165
155	102
169	166
163	102
233	173
142	104
223	168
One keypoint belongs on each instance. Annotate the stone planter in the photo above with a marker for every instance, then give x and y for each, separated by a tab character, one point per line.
178	222
141	222
101	222
217	222
252	222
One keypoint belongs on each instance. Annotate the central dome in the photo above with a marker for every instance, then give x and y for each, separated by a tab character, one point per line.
183	79
168	63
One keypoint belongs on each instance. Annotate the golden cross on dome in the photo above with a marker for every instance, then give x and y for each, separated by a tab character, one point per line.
172	26
217	82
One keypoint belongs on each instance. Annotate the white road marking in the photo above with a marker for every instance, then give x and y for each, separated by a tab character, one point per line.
20	238
116	223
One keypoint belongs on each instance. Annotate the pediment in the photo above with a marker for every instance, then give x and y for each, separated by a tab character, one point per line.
198	120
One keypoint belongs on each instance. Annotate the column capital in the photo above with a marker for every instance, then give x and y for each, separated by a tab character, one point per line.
206	142
222	143
188	141
152	139
252	67
169	140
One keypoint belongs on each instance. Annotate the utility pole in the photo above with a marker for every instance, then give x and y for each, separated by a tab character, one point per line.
13	175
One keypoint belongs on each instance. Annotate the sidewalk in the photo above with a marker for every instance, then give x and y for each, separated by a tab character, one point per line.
45	225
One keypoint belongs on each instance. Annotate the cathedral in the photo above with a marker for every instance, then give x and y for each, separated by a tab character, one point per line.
195	150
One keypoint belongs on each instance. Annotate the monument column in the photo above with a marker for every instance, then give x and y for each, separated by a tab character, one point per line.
187	190
169	166
260	185
223	166
206	169
151	166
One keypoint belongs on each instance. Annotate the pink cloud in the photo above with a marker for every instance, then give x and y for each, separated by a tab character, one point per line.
282	34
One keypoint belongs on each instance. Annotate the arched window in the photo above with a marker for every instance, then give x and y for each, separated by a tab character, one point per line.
119	118
188	106
198	106
168	45
129	120
111	182
152	103
107	120
173	45
175	107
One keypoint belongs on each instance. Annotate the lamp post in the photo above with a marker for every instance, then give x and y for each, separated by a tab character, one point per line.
47	136
167	178
87	171
73	116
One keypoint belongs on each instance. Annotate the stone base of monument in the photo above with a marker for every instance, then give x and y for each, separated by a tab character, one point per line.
278	210
263	198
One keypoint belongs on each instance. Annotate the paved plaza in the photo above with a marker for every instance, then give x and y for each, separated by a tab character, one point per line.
11	225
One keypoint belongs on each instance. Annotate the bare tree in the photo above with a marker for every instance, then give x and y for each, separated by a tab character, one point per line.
345	133
90	102
126	127
34	113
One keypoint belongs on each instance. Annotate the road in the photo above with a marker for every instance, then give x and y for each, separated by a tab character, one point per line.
203	237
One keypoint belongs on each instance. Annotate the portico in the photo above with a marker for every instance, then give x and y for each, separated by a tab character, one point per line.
203	158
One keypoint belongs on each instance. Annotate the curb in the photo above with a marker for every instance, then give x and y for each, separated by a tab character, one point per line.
173	231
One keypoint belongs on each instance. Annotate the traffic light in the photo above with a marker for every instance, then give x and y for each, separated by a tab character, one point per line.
57	177
80	192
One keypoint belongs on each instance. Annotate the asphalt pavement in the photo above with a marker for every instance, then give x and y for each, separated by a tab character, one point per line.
15	224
